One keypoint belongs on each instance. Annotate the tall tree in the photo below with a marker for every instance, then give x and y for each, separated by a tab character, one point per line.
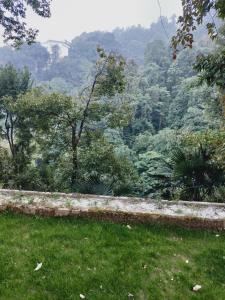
13	83
59	113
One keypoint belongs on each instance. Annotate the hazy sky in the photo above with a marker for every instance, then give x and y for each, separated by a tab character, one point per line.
72	17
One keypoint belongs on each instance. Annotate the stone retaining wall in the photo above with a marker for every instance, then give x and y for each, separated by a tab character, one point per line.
105	214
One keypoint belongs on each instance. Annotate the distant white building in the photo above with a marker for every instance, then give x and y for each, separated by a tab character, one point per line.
63	46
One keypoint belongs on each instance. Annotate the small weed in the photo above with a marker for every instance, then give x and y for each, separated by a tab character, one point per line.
17	196
107	202
29	199
68	203
179	211
55	196
159	204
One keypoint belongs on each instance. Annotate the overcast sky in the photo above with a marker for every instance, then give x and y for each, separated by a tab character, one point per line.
72	17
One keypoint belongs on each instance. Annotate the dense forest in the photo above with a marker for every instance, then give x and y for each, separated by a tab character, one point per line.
117	115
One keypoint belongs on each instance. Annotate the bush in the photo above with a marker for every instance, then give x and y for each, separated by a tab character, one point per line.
196	173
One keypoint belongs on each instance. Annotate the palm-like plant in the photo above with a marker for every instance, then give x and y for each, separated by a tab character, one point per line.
196	173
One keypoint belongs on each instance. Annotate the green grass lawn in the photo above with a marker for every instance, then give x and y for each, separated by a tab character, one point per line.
107	261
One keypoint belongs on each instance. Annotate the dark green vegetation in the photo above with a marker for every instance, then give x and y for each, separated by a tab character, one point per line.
98	122
107	261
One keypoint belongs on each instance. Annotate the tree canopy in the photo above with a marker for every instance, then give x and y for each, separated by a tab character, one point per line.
116	115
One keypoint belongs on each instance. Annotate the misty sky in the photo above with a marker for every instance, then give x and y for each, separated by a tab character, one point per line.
72	17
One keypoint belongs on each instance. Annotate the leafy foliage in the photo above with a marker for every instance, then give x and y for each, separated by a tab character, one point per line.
12	15
194	13
14	83
154	175
212	67
196	173
212	140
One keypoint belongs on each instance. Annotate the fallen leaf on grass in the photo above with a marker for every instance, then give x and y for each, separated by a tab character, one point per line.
39	266
196	288
145	267
130	295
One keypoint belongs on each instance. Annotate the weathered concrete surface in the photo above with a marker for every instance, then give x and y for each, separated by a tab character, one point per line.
118	209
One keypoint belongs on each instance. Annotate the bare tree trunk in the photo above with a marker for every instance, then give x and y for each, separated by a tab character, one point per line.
9	133
75	142
77	133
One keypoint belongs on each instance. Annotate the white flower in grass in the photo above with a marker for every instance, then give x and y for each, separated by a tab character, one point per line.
129	227
82	296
